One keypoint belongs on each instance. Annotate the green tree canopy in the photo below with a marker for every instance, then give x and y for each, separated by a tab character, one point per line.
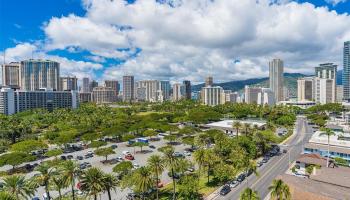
27	146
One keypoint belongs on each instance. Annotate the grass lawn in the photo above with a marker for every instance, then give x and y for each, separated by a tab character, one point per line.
148	113
204	188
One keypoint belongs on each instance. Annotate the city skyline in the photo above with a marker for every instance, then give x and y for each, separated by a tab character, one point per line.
121	49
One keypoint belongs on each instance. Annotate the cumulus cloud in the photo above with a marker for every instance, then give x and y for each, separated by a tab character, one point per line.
335	2
25	51
229	39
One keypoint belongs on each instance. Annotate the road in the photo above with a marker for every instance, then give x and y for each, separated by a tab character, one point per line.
276	165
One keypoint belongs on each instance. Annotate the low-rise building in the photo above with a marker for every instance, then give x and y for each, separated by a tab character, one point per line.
227	125
12	102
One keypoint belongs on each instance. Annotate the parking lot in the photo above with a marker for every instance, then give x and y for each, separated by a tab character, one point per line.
95	161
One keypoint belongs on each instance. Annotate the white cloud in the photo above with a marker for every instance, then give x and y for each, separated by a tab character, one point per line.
335	2
25	51
192	39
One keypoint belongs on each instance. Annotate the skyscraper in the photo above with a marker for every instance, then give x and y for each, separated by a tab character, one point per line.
306	89
150	88
346	71
92	85
128	88
114	84
164	90
178	91
209	81
86	85
187	88
212	95
10	74
276	78
68	83
36	74
328	71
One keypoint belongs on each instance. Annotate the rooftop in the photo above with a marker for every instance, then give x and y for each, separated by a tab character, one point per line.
314	159
318	138
228	123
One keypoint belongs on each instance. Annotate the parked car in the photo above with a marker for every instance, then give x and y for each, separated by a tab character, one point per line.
186	153
233	183
126	153
135	166
190	169
259	164
129	157
63	158
176	175
178	154
120	159
35	198
285	151
114	146
70	157
80	158
241	178
152	146
225	190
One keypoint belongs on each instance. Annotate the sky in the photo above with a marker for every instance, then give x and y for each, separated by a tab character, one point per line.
175	39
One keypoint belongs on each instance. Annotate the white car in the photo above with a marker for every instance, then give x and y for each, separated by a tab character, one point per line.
136	166
126	153
234	184
186	153
120	159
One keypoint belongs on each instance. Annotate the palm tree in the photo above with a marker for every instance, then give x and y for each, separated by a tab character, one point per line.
70	171
143	179
19	186
110	182
199	159
59	183
249	194
328	132
91	181
46	174
250	165
7	196
237	125
171	162
210	159
279	190
156	165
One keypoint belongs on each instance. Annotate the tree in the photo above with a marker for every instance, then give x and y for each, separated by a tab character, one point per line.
156	165
149	133
91	182
250	166
171	138
15	158
328	132
171	162
97	144
189	187
45	176
247	128
139	144
59	183
189	140
199	159
143	180
19	186
27	146
122	168
110	182
54	153
70	171
249	194
279	190
104	152
237	125
7	196
210	159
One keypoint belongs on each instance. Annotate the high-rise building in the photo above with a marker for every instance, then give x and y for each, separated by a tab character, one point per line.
85	97
328	71
208	81
346	70
266	97
324	90
340	93
12	102
103	95
178	91
92	85
276	78
36	74
114	84
306	89
251	94
68	83
86	85
164	87
10	75
128	88
151	88
212	95
187	88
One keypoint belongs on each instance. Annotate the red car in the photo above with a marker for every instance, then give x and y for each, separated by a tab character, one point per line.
129	157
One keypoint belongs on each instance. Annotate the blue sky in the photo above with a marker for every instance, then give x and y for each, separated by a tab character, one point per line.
142	49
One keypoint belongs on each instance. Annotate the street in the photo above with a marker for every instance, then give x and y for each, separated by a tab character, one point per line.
275	166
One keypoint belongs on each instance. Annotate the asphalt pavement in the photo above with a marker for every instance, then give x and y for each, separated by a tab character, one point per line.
275	166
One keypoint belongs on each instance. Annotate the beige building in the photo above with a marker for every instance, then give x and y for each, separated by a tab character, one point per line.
36	74
10	74
324	90
328	71
306	89
208	81
68	83
103	95
276	78
178	92
128	88
150	88
212	95
251	94
340	93
114	84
